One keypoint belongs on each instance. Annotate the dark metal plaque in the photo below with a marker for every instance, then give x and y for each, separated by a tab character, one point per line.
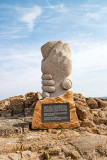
55	112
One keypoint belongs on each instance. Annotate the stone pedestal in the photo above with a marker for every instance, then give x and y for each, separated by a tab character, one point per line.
37	116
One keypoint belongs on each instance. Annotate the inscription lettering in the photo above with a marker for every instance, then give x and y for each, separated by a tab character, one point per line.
57	112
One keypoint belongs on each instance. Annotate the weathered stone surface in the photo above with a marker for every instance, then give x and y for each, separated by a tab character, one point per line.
82	110
56	68
101	104
5	112
102	129
2	105
54	151
87	142
29	111
69	151
79	97
24	155
92	103
9	145
31	97
14	156
75	155
29	94
66	98
100	116
87	123
12	126
42	144
17	106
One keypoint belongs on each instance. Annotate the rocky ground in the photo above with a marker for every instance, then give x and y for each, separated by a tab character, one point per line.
19	142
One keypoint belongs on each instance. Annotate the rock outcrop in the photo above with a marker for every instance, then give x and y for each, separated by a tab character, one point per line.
19	105
92	103
66	98
19	141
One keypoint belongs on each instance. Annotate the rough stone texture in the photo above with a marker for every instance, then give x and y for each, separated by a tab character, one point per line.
92	103
101	103
24	105
87	142
87	123
19	105
82	110
10	126
66	98
100	116
43	145
56	61
93	119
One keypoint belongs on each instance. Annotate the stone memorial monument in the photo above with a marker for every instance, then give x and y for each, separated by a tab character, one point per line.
56	68
57	109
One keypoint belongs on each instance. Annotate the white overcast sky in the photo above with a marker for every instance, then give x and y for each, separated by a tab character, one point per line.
28	24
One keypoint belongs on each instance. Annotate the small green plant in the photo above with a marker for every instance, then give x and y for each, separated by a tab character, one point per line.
4	136
61	131
24	133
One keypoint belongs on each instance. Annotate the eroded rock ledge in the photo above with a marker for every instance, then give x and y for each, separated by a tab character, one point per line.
18	141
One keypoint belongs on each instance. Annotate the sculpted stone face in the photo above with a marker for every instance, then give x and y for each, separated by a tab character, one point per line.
56	68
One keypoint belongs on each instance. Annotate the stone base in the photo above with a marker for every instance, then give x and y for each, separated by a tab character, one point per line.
66	98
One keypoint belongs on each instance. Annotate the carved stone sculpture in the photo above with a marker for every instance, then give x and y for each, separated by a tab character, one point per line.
56	68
